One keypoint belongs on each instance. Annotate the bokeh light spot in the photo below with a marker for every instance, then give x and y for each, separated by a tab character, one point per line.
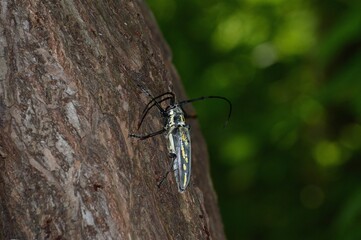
239	29
297	33
238	149
264	55
327	154
310	110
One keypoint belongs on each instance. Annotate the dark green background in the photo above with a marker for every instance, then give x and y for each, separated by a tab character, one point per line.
288	165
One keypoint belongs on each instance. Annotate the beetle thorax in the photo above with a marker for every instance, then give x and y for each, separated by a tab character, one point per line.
176	117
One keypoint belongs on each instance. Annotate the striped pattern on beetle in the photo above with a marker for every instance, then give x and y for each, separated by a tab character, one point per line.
177	133
179	146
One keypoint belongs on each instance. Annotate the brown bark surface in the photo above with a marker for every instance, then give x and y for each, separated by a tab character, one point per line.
69	71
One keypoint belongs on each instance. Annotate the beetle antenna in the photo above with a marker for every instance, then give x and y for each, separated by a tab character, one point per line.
151	96
154	100
146	110
206	97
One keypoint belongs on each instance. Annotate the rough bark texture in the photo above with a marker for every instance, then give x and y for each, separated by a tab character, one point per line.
69	71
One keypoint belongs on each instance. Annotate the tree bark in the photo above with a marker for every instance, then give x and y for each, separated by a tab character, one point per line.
69	76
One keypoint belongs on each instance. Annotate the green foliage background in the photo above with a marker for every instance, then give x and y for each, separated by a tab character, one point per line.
288	165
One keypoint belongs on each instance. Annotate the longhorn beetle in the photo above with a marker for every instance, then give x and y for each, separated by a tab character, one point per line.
177	133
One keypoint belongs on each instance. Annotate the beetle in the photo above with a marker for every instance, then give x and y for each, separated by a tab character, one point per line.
177	133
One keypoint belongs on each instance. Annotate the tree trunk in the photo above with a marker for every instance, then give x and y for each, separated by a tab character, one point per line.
70	72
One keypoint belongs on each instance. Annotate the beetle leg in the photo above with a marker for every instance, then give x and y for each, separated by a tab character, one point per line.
173	156
142	137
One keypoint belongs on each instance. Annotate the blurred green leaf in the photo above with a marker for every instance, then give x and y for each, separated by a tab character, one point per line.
288	164
346	30
350	219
